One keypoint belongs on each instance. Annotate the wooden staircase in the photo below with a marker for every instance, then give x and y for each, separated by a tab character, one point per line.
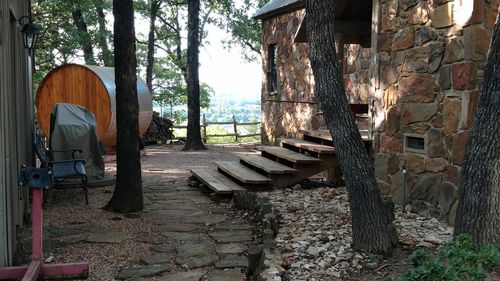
275	167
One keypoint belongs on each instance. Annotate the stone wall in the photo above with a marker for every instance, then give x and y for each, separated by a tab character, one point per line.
431	57
293	107
357	73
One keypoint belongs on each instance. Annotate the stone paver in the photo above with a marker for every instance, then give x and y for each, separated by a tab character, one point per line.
56	231
225	236
174	214
140	271
156	259
182	236
231	248
163	248
178	227
233	274
197	261
233	225
206	219
68	240
232	261
195	248
193	275
151	238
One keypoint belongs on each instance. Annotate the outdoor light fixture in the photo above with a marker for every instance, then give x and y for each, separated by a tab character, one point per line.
30	32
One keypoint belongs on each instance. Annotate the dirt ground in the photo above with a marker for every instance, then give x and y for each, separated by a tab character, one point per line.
163	167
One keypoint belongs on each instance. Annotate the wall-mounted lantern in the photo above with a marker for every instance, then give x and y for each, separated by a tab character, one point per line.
31	32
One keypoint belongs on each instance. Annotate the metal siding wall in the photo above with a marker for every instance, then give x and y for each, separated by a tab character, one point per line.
4	255
15	130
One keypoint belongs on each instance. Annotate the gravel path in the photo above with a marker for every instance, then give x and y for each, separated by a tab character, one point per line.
182	234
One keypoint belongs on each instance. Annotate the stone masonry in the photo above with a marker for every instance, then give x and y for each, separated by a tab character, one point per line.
421	77
293	106
431	58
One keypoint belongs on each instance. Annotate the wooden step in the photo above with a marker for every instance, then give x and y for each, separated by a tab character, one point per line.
242	173
289	155
325	134
307	145
267	165
216	181
319	134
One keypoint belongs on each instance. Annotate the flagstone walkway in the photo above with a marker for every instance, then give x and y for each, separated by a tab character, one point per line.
182	234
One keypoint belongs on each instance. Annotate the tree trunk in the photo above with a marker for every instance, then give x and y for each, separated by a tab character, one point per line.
106	54
193	141
178	49
155	5
127	196
85	40
478	211
372	229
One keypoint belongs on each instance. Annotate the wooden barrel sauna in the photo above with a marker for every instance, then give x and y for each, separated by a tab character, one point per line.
92	87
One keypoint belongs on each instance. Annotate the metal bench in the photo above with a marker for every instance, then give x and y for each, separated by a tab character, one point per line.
61	170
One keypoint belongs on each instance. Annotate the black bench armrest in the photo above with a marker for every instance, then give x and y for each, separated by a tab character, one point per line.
67	150
66	161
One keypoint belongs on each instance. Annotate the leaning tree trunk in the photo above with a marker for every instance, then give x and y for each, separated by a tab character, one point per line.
155	6
372	229
84	36
106	54
127	196
478	212
193	141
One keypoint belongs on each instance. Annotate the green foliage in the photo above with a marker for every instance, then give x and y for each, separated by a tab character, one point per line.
457	260
234	18
61	42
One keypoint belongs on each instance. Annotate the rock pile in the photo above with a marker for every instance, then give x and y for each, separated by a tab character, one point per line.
315	234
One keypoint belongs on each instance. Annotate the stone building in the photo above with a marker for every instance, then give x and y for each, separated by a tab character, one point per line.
417	64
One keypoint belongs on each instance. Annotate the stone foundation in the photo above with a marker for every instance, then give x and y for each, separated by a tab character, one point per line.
265	262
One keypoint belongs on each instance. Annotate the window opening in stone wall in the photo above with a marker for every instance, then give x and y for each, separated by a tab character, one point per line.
272	72
415	144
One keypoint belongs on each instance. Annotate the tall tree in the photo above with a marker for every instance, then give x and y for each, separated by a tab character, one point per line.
372	229
193	141
106	55
478	212
153	11
84	36
127	196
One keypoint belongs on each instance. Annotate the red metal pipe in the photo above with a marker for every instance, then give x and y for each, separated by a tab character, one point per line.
36	268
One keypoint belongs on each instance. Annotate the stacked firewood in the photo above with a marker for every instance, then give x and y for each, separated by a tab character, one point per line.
160	130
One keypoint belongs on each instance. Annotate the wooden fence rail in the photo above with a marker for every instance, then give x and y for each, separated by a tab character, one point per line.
235	124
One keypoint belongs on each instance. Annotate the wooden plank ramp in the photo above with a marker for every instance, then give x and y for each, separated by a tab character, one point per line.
216	181
242	173
311	146
287	154
267	165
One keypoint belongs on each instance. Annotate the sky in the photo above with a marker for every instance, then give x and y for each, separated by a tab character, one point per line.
225	71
